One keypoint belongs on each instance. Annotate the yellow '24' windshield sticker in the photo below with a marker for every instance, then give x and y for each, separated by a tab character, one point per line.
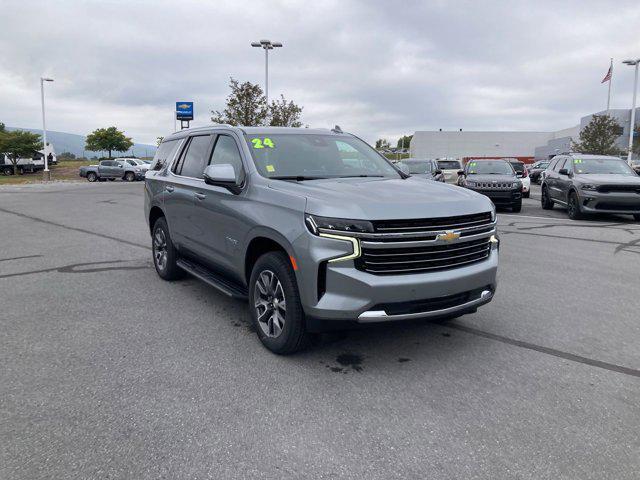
265	142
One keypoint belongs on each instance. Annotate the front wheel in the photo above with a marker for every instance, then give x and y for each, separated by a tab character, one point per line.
92	177
275	305
526	194
129	176
545	201
573	207
517	207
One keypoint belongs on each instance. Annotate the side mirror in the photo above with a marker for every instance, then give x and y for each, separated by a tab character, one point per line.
222	175
563	171
438	172
461	173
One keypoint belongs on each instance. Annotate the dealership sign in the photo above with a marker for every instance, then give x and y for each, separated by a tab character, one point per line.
184	110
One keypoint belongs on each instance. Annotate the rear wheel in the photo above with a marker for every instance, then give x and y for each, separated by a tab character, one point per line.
8	171
129	176
92	177
573	207
545	200
275	304
164	252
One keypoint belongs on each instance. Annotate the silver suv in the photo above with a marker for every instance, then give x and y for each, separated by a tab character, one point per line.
316	229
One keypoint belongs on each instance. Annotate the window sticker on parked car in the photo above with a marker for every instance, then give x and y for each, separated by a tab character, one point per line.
270	169
263	142
577	160
472	166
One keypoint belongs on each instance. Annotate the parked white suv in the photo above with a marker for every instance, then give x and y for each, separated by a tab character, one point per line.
450	168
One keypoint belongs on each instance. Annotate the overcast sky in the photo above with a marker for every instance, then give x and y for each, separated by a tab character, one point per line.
375	69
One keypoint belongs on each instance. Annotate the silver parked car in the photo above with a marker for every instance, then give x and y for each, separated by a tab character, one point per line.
316	230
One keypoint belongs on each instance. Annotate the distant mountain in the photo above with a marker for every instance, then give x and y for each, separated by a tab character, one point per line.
70	142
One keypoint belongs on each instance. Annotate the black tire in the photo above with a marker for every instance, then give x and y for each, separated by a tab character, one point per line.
111	179
573	207
636	217
8	171
162	247
283	332
545	200
517	207
20	171
526	194
92	177
129	176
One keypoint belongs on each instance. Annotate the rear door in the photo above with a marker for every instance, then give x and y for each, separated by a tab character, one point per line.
551	177
183	180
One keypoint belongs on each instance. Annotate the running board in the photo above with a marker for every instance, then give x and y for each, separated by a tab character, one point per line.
223	284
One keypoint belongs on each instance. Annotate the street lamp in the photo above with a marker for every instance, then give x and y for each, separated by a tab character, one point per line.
632	125
46	175
266	45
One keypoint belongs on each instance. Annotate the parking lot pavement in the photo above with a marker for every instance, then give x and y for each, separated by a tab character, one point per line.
110	372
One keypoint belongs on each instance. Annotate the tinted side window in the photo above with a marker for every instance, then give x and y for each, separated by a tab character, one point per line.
226	151
107	163
558	165
196	157
164	153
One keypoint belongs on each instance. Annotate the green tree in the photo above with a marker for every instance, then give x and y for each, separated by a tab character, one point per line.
108	139
382	143
246	105
19	144
284	114
599	136
404	141
2	129
66	156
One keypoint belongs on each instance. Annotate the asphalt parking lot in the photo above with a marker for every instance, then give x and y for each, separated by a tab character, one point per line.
109	372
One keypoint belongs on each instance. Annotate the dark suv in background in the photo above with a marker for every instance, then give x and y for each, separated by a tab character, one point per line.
315	228
494	178
591	184
422	168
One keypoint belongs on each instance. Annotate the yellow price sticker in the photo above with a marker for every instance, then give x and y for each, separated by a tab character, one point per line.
270	169
263	142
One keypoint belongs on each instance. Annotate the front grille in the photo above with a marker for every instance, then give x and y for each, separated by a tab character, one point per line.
429	258
495	186
618	206
619	188
432	224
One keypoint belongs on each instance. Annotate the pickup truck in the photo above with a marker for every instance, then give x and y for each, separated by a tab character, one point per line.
23	165
112	169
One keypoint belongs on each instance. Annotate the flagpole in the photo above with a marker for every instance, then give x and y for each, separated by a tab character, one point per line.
610	79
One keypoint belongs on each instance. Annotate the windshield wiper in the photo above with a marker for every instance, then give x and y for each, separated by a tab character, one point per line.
297	178
360	176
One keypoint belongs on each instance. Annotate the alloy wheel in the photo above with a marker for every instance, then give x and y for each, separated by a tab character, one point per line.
270	304
160	249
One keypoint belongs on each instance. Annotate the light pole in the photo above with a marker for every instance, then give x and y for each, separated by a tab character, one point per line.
632	125
266	45
46	175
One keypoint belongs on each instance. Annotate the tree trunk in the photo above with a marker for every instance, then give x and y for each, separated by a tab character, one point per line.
109	153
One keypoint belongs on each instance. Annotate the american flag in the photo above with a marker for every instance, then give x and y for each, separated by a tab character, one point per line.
607	77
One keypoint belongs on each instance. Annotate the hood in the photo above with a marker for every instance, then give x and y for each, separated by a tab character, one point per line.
609	179
384	198
492	178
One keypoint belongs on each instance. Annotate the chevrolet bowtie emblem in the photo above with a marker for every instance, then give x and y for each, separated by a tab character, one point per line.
448	236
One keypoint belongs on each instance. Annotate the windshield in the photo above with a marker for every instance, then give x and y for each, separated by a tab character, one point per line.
449	164
489	167
308	156
602	166
418	167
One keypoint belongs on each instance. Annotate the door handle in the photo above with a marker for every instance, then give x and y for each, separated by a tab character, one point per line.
200	196
169	188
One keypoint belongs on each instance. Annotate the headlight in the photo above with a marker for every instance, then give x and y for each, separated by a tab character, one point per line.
339	225
493	212
588	186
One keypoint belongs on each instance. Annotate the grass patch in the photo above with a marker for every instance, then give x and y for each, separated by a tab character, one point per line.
66	170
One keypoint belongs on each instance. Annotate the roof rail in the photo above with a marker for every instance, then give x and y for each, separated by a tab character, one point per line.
337	129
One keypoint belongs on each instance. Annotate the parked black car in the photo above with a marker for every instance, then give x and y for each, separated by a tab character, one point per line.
496	179
590	184
536	169
422	168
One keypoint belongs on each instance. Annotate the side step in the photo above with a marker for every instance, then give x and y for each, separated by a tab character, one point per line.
223	284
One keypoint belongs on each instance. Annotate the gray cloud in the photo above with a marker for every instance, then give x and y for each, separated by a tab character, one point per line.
376	68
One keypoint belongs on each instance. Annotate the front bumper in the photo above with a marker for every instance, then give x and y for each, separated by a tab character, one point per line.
501	197
339	291
613	202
